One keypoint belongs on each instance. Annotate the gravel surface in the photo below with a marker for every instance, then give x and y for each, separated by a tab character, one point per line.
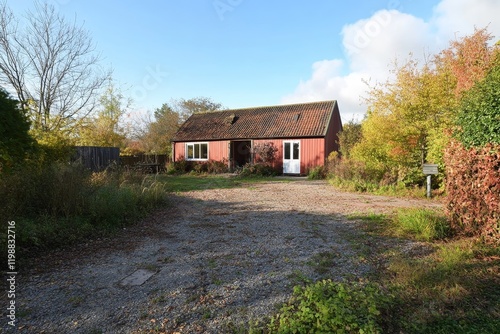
212	262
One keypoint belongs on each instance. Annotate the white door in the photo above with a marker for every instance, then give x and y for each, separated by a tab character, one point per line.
291	157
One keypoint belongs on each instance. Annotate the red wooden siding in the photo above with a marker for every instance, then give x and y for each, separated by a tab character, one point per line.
217	150
331	138
179	151
312	153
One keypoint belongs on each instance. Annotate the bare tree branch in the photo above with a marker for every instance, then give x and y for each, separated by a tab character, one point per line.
52	66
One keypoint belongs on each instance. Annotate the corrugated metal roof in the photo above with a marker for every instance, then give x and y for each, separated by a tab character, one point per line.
282	121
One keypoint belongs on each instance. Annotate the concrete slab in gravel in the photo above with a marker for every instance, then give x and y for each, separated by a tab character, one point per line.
138	277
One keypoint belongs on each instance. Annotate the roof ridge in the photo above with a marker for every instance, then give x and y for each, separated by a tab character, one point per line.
270	106
279	121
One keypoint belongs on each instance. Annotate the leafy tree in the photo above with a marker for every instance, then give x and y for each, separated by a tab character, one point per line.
401	115
410	117
106	129
186	108
348	137
468	59
479	115
465	62
158	131
161	130
15	141
52	66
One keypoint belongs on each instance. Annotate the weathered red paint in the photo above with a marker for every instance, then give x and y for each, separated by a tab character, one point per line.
217	150
313	151
318	131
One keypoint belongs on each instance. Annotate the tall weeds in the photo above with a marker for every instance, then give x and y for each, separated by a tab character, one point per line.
60	204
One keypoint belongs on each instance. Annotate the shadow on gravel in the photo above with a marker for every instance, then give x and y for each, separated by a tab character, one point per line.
217	265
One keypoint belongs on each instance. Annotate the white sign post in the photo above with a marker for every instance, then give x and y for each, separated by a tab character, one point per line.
430	169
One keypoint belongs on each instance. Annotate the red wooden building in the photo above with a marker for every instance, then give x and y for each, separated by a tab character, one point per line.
305	134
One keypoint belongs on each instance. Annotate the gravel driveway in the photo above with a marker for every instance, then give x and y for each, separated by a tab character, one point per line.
211	262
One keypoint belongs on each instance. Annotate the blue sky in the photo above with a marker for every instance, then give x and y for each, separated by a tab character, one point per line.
245	53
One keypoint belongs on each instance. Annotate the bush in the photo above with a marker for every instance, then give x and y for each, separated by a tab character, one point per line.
317	173
15	140
348	169
265	153
329	307
180	166
473	190
354	175
473	162
258	170
199	167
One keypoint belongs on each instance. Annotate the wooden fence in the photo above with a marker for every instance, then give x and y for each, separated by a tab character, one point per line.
97	158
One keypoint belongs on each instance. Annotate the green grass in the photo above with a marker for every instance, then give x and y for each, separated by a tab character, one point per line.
451	290
421	224
394	190
185	183
370	217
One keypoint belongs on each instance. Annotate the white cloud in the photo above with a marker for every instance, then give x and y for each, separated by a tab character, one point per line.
314	89
372	44
461	16
326	83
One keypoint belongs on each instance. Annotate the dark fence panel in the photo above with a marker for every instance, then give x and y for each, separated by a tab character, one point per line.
97	158
147	163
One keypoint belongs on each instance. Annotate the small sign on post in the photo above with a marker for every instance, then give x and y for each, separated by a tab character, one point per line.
430	169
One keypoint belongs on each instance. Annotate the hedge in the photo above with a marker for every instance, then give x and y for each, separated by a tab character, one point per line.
473	190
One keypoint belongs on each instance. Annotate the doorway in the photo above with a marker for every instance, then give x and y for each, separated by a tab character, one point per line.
291	157
241	153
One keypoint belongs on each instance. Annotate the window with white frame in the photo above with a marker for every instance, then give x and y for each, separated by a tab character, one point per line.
197	151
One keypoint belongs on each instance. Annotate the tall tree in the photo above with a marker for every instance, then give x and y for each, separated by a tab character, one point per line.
409	117
404	114
51	65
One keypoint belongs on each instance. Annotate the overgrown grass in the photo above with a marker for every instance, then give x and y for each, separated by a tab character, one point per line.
396	190
451	287
452	290
421	224
59	204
